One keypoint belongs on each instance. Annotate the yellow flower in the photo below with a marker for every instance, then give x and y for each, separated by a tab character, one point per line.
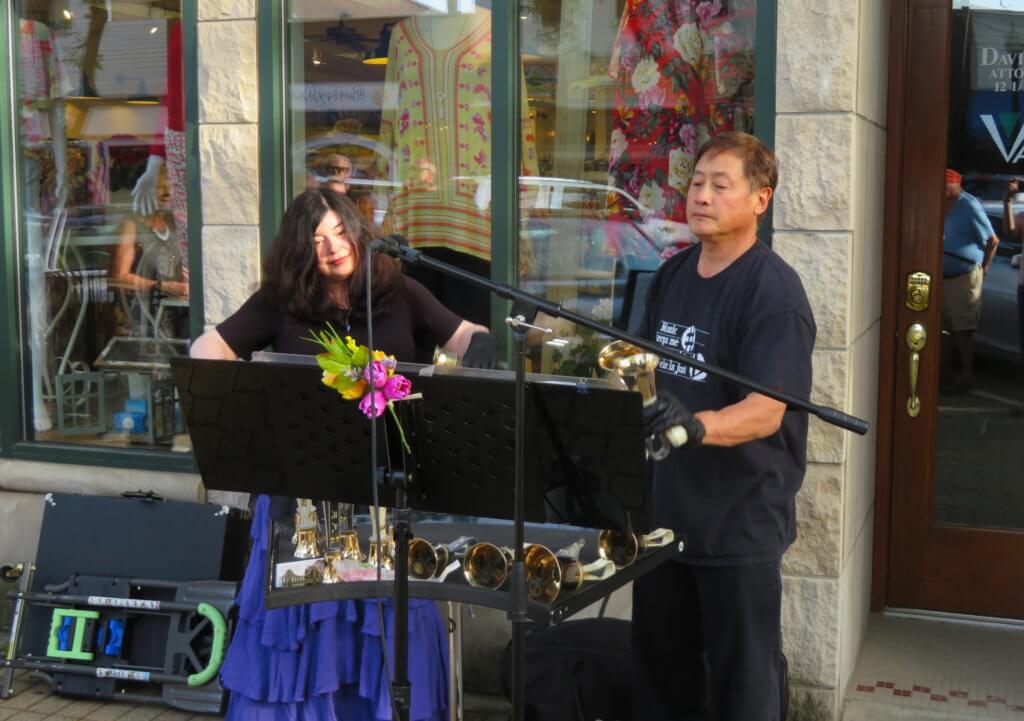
379	355
328	378
354	391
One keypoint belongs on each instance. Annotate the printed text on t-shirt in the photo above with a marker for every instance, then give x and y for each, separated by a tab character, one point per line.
687	339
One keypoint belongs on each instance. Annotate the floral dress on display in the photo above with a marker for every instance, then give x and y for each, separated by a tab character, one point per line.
685	73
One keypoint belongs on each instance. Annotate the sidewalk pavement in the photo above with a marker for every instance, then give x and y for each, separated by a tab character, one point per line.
33	701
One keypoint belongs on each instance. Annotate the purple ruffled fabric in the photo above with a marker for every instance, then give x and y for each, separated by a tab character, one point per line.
323	661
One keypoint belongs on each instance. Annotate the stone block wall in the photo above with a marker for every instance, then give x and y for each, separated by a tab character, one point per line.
228	154
830	138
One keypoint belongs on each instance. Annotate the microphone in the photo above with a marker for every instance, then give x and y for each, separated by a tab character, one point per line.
394	245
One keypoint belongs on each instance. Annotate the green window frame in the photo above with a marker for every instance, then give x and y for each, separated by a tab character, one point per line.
12	373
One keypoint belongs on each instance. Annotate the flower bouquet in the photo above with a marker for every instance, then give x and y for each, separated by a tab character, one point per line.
359	374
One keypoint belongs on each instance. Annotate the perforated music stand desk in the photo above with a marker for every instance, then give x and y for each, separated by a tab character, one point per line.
273	427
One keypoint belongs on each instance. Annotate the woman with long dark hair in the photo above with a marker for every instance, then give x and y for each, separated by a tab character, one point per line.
315	274
321	661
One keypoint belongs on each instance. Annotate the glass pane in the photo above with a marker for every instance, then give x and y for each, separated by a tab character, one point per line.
981	402
622	94
103	232
391	105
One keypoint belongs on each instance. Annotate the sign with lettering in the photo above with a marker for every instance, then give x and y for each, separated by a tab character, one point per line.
986	124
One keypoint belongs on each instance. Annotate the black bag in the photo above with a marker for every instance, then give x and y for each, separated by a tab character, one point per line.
576	671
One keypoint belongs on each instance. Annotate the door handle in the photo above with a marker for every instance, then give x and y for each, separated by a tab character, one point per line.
916	339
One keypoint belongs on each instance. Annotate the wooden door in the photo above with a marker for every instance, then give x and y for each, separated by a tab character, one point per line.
951	488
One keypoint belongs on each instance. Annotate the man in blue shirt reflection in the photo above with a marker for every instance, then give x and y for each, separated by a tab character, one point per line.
968	247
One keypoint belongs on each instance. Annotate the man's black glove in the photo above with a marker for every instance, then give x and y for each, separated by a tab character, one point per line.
481	353
668	412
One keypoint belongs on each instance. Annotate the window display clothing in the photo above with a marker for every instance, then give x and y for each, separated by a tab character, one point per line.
437	125
323	661
734	506
683	70
174	99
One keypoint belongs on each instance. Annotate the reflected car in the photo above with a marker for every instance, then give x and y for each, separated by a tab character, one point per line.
586	256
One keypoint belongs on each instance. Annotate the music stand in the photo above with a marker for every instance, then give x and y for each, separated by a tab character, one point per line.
272	427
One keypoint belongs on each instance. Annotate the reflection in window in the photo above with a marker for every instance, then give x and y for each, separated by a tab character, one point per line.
396	111
623	94
103	233
405	101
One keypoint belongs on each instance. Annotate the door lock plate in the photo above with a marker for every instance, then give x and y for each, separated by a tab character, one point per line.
919	290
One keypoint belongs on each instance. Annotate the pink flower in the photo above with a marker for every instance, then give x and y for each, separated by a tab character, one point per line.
707	10
397	387
373	404
688	137
377	374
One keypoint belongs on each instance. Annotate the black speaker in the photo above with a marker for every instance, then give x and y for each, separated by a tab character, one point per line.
139	537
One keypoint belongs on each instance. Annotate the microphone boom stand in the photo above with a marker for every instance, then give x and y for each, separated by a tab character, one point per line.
525	308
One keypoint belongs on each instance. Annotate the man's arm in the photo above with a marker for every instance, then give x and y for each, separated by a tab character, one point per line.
990	252
756	416
211	344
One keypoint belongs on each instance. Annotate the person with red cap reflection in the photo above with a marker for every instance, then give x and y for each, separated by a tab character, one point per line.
968	247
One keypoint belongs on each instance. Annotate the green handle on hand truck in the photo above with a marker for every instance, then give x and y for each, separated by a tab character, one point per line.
220	638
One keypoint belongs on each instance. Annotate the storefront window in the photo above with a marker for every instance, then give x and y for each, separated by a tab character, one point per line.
622	94
103	219
391	105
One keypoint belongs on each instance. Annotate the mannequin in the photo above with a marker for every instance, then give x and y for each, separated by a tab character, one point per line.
437	123
671	98
171	152
43	87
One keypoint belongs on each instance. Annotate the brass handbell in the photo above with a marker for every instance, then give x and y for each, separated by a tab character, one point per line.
307	542
636	367
307	545
427	560
487	565
346	544
444	359
548	573
331	559
382	552
623	547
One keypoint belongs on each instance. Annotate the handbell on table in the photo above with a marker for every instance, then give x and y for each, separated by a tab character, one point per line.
623	547
548	573
427	560
487	565
306	543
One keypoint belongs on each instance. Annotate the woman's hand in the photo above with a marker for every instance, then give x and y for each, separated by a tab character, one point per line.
481	352
459	343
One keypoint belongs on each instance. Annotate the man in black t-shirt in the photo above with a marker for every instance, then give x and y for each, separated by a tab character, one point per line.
706	627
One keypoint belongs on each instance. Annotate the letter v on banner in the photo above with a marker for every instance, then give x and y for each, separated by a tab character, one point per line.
1016	151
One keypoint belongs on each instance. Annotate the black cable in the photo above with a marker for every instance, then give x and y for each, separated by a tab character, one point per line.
374	515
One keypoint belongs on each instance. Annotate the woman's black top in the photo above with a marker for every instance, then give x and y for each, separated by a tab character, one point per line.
412	317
